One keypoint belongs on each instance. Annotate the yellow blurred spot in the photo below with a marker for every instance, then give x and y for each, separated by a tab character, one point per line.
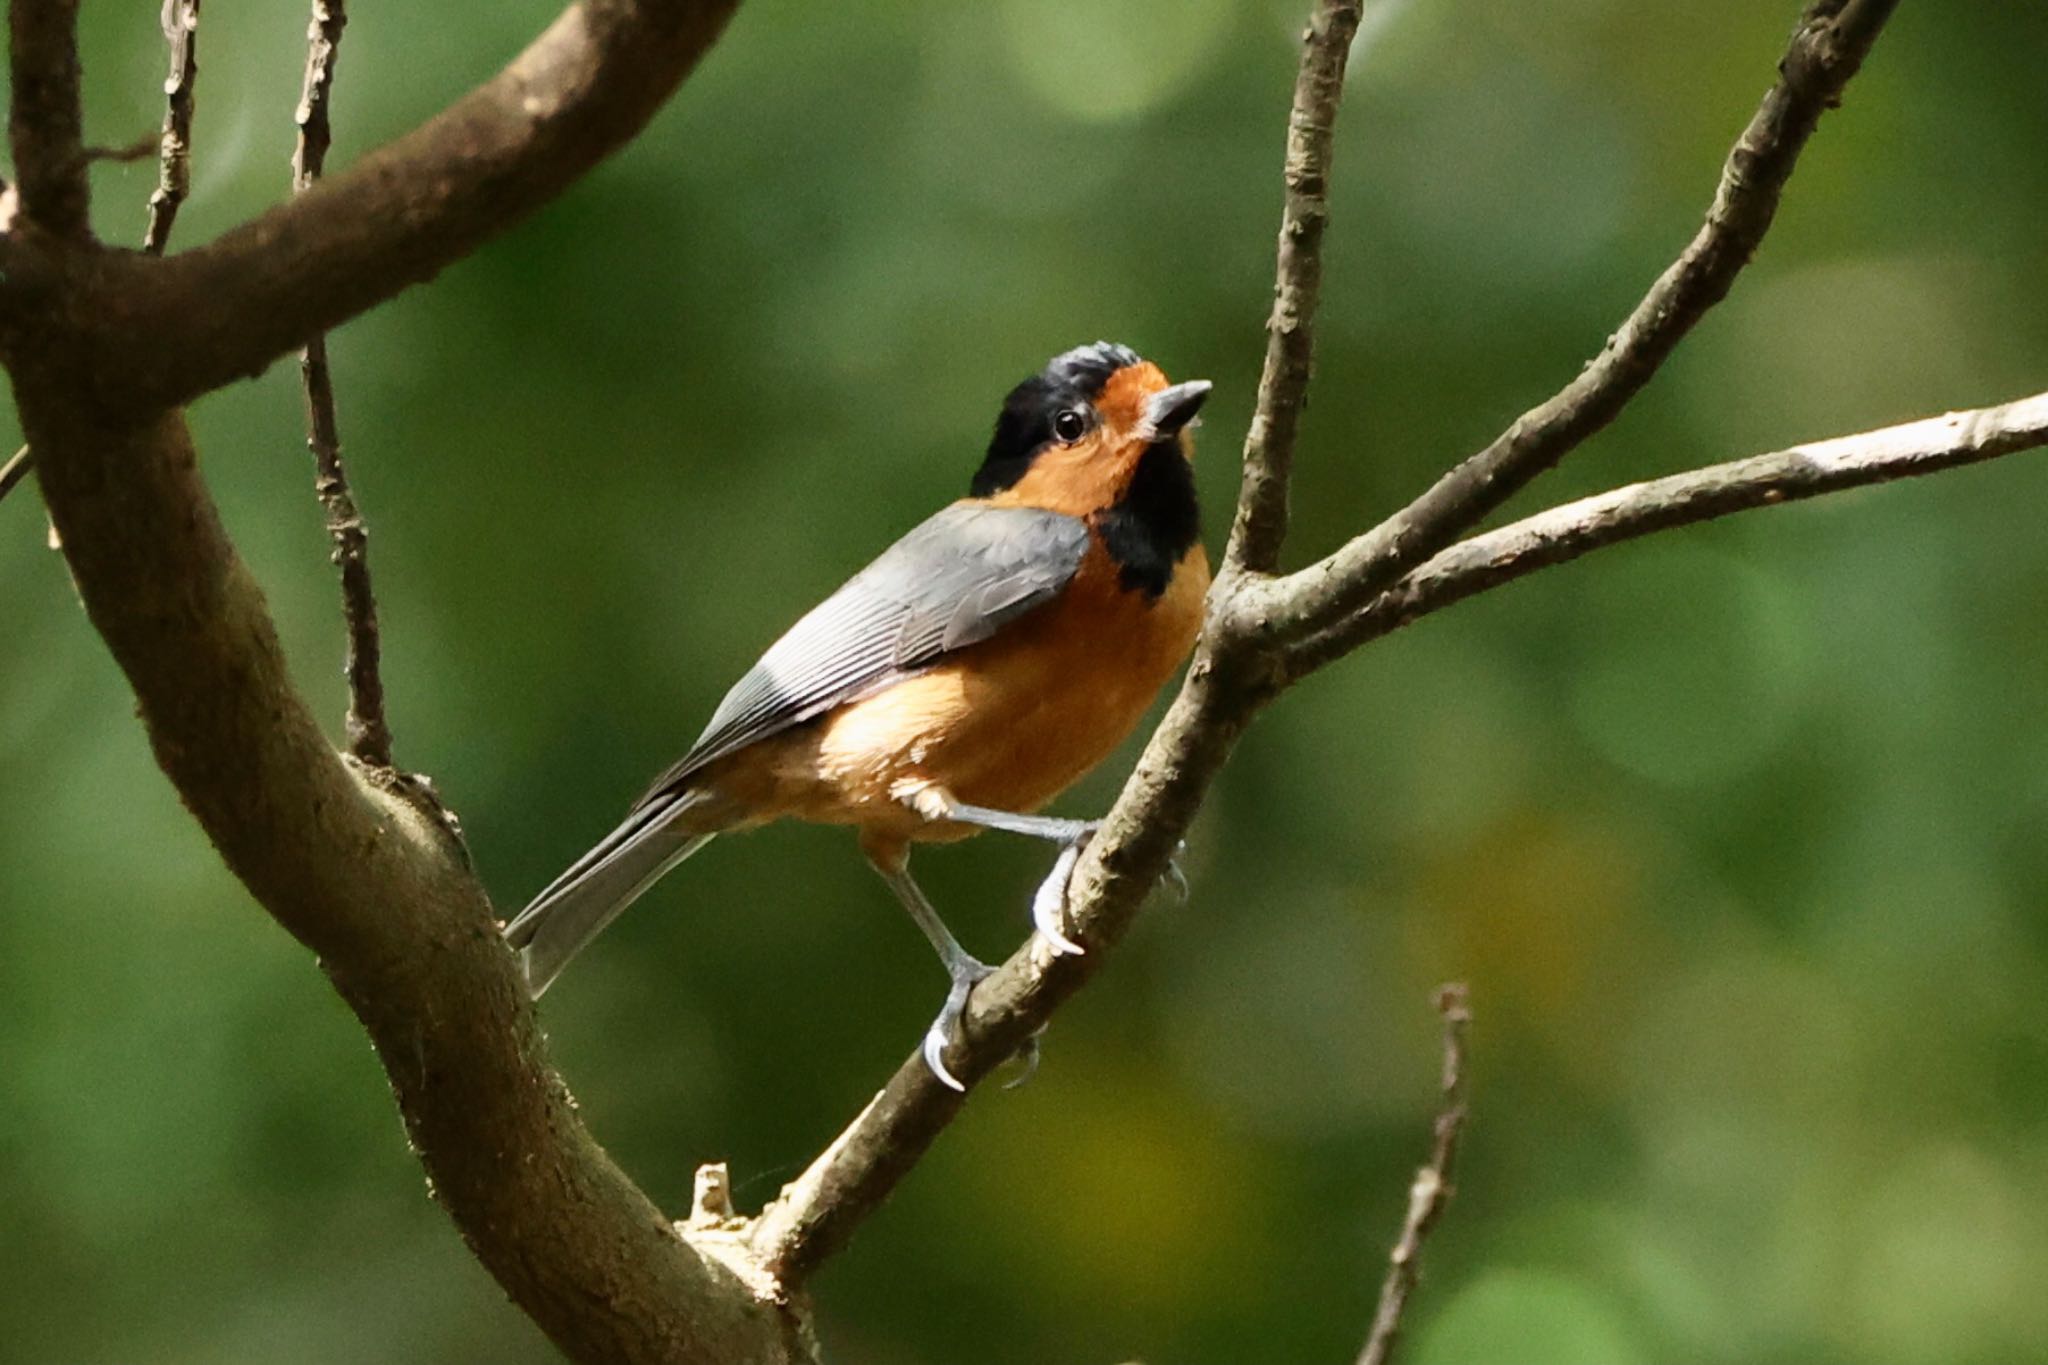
1120	1194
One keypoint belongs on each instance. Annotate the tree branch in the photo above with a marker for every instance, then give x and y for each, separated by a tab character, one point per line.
174	168
1566	532
15	470
174	329
341	855
1431	1193
1827	48
46	125
1290	330
174	160
369	734
1225	685
375	888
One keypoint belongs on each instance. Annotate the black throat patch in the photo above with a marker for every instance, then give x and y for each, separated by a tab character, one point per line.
1155	523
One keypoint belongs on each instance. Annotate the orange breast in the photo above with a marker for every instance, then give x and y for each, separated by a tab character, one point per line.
1009	723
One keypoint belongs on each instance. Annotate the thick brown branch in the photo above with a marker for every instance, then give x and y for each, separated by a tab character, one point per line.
46	125
1564	533
1827	48
174	329
375	889
369	734
1431	1193
174	159
1290	330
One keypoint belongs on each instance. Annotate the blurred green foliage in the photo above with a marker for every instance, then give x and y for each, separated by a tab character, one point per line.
1737	834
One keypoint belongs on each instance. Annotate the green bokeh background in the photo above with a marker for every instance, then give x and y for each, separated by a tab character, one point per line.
1738	835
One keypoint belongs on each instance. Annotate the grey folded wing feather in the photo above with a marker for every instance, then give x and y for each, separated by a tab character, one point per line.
954	581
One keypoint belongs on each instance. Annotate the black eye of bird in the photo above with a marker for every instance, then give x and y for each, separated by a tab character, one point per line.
1069	425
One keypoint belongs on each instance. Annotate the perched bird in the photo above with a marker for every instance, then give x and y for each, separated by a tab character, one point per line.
983	664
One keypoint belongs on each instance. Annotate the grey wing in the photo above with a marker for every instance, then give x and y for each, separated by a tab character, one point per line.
955	580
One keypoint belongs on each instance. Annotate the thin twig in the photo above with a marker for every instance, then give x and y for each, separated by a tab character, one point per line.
369	734
46	122
1432	1191
15	470
1298	277
174	161
1827	48
1566	532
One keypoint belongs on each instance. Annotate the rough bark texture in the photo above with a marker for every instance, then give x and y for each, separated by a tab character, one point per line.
174	156
372	886
1298	276
46	126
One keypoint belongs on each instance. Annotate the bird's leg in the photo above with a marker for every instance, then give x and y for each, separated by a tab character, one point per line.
936	803
961	966
1049	902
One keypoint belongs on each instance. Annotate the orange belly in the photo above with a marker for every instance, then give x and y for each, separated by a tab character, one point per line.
1009	723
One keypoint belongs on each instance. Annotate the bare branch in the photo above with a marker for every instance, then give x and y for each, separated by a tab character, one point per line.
174	161
399	215
376	889
1827	49
1290	330
1431	1193
15	470
369	734
1564	533
316	91
815	1214
46	125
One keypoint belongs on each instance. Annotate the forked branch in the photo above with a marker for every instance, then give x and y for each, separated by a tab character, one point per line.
1827	49
817	1212
398	216
1239	665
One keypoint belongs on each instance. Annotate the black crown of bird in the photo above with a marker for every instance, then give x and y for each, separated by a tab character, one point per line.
975	670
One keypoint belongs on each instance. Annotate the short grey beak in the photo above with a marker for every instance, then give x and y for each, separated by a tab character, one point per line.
1168	410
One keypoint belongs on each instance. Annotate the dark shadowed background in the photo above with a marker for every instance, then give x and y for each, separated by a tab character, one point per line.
1737	834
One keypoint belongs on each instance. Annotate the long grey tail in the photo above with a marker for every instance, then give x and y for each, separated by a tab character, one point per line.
576	906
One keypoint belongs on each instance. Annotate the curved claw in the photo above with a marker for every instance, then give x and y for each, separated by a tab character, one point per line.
1029	1055
945	1029
1176	874
1049	903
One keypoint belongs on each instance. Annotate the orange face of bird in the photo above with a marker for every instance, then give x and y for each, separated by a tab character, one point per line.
1074	437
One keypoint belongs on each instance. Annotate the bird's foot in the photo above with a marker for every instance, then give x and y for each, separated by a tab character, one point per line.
1049	902
945	1029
